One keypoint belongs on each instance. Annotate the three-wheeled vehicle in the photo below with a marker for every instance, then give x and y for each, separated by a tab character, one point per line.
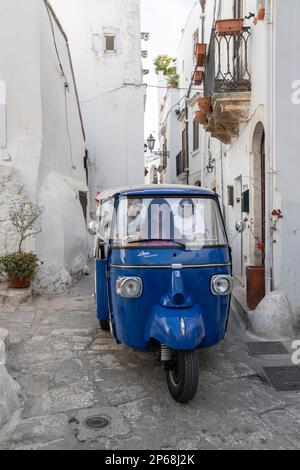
164	275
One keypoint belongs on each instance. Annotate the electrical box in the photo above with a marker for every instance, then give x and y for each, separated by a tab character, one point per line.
246	201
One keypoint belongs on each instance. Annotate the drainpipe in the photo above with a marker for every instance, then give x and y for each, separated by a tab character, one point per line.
187	135
269	144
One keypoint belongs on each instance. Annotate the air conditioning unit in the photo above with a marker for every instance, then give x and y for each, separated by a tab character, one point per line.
146	71
144	54
145	36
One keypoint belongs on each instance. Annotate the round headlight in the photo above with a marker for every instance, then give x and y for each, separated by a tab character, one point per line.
221	285
129	287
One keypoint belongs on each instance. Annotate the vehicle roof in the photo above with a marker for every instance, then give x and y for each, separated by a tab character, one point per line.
158	190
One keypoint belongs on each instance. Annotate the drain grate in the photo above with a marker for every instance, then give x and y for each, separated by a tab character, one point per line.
267	349
284	379
97	422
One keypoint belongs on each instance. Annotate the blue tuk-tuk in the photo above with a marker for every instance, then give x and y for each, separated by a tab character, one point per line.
164	275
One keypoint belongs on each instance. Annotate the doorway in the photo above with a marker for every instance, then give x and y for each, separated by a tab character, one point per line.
238	244
259	194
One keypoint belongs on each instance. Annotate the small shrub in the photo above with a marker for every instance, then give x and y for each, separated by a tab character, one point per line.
19	265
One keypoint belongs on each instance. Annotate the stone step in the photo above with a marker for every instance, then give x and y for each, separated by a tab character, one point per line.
10	296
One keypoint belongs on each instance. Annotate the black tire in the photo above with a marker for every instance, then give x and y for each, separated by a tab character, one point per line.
104	325
183	380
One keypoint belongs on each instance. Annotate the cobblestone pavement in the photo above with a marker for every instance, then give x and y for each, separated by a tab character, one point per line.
69	370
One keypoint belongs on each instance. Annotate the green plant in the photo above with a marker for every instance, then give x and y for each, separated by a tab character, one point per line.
25	218
19	265
167	65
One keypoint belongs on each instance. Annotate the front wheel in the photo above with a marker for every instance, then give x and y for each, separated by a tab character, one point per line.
104	325
183	379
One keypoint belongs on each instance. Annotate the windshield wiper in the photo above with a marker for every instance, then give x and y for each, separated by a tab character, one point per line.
183	245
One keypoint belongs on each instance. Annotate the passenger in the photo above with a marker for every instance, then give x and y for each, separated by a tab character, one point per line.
185	221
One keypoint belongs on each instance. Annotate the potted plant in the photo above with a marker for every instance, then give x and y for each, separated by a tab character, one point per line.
255	276
198	77
201	117
204	104
229	27
261	13
200	54
173	81
20	267
167	65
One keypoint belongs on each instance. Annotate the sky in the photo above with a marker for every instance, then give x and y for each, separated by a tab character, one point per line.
164	20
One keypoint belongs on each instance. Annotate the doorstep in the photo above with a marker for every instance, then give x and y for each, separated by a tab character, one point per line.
239	305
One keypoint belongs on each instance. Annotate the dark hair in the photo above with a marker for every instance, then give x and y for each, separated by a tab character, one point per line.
187	201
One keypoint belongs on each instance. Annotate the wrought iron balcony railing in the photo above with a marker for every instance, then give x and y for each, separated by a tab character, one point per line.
227	63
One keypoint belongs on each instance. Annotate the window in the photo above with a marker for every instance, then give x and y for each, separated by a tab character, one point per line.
230	196
195	39
110	43
238	9
168	222
184	149
246	201
105	220
195	135
84	202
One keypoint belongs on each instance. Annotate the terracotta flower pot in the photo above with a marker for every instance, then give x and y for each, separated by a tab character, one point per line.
201	117
261	14
229	27
200	54
204	104
20	283
198	77
255	285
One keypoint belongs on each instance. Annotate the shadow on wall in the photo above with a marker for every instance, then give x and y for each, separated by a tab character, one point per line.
63	244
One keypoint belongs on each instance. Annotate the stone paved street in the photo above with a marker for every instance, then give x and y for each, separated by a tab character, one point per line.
69	370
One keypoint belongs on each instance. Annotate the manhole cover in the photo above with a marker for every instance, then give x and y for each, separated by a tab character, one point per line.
284	379
267	349
97	422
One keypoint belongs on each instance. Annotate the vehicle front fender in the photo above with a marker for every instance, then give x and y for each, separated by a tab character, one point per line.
178	329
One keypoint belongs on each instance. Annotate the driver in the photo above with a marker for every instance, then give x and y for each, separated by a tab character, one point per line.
134	219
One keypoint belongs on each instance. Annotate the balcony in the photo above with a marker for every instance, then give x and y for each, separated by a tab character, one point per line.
228	82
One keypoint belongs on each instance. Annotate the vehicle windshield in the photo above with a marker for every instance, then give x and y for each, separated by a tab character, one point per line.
184	222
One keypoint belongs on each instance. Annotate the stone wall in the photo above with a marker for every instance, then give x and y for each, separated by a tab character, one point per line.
11	191
9	389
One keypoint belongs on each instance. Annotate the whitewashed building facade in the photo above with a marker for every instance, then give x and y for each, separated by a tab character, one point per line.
105	41
249	143
42	145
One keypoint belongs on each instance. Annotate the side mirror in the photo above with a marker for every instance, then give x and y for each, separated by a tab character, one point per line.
240	226
92	227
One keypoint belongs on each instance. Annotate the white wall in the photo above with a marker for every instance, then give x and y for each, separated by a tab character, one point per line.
169	121
286	150
174	126
2	114
110	87
37	159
